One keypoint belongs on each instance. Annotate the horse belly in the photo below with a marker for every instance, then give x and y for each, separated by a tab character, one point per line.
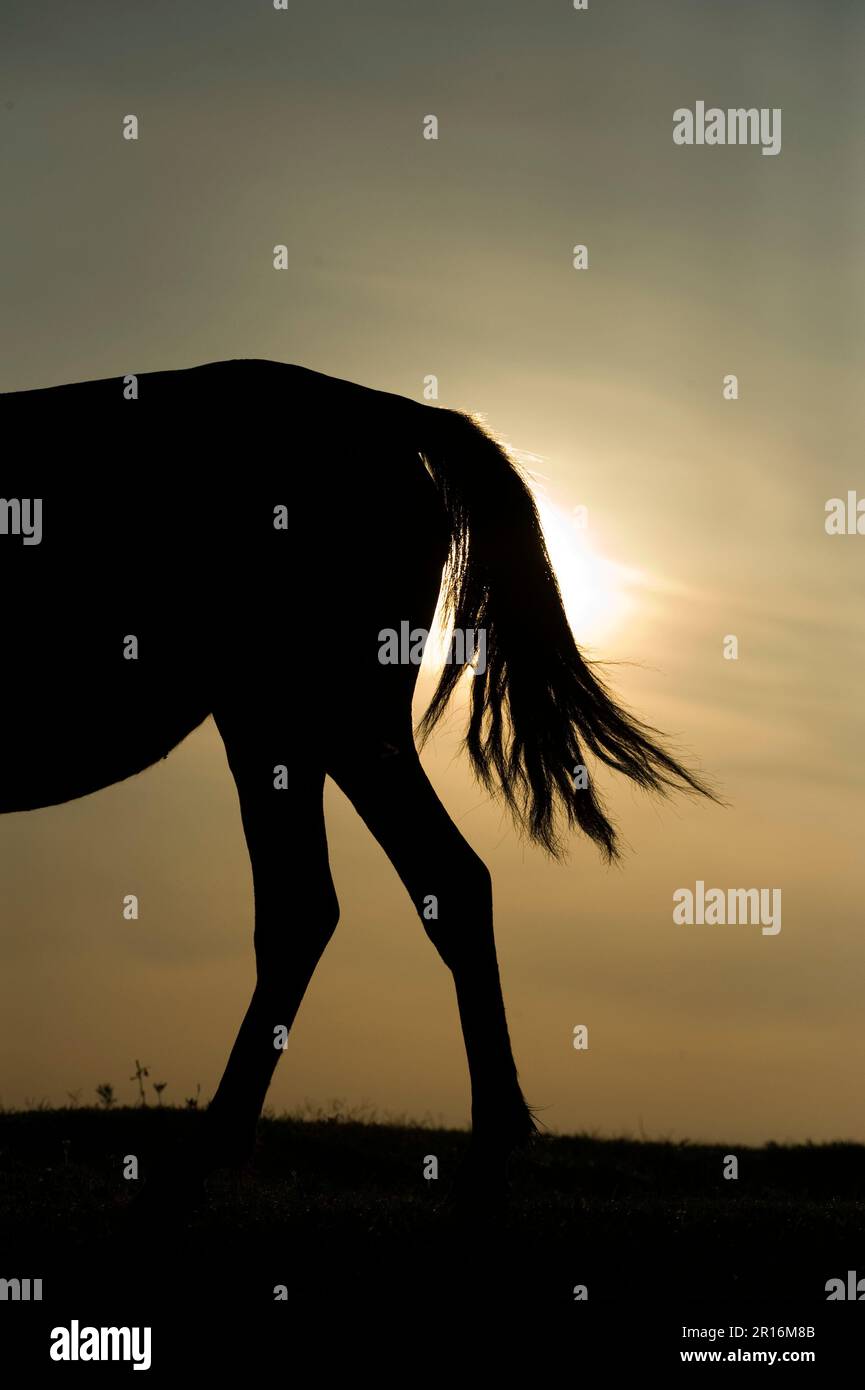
103	665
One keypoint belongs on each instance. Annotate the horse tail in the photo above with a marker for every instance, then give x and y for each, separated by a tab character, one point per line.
537	704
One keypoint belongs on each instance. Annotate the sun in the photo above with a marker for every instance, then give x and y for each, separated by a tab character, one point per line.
597	592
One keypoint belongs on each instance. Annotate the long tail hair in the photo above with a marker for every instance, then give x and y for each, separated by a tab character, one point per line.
537	705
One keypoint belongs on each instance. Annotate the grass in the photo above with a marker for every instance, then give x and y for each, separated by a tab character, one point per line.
620	1215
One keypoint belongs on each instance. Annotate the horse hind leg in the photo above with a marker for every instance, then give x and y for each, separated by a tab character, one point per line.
395	799
287	845
285	835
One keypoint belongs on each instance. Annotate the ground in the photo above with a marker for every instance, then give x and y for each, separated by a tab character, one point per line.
335	1217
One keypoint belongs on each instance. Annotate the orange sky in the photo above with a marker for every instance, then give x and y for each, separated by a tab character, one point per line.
409	257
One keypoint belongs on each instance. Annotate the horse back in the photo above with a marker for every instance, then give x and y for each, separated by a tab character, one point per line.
239	527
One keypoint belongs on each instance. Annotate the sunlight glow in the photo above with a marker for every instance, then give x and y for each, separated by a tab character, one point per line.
595	591
598	594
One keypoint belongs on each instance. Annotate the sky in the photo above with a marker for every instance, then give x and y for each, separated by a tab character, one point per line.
453	257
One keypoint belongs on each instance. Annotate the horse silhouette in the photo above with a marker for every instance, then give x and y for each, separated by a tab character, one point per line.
232	540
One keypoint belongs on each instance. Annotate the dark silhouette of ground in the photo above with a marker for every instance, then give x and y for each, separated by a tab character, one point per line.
333	1234
601	1210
